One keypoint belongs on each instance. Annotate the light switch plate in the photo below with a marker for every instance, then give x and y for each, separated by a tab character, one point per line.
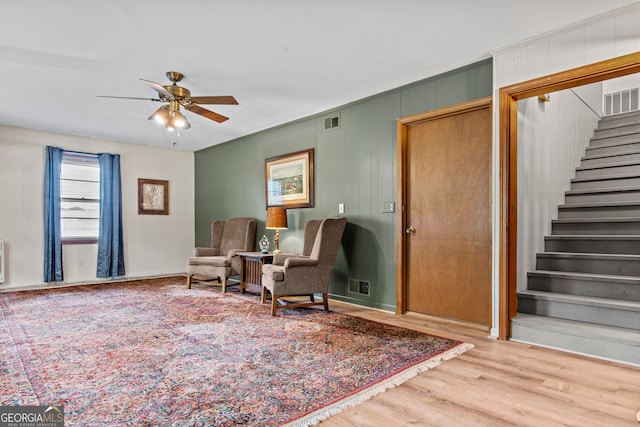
388	207
340	207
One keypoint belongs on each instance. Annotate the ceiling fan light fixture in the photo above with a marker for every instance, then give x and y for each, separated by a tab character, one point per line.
170	125
169	116
179	120
161	115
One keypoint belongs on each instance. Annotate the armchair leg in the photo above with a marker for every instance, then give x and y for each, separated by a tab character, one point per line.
189	276
325	301
313	299
274	304
224	284
263	294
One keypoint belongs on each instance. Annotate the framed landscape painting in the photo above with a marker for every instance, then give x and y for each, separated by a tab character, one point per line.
289	180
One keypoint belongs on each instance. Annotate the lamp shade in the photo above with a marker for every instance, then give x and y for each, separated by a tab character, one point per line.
276	218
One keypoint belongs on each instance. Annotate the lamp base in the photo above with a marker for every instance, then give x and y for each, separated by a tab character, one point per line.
277	251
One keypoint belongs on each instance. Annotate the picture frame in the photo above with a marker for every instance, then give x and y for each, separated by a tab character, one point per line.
289	180
153	197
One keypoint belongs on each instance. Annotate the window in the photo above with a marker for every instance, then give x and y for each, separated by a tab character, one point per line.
80	197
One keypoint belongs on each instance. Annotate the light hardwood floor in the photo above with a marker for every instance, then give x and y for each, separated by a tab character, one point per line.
498	383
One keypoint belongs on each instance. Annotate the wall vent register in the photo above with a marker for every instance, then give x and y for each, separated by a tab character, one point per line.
332	122
360	287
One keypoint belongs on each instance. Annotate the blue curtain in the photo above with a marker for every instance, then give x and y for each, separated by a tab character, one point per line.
52	229
110	243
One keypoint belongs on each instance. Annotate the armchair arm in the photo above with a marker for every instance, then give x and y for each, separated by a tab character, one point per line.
300	261
281	258
233	252
206	251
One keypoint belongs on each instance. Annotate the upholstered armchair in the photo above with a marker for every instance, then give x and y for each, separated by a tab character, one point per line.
228	237
305	275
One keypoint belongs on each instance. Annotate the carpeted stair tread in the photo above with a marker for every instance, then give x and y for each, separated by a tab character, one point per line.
583	255
605	177
601	204
617	134
604	155
602	190
609	165
589	276
593	237
617	304
592	156
573	327
588	220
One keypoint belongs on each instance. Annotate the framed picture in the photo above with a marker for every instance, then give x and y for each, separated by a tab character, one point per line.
289	180
153	197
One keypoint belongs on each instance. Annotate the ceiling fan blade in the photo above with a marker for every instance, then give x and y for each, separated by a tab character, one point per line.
129	97
229	100
206	113
158	88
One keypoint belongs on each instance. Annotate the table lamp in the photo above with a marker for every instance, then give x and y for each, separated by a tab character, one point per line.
276	219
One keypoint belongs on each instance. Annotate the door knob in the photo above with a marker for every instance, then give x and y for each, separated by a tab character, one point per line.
410	230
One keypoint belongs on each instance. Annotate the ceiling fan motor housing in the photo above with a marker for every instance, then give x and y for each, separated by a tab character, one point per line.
178	92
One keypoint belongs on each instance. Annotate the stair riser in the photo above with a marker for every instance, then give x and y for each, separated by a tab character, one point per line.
613	196
611	150
622	139
595	228
599	161
582	313
603	172
614	131
589	265
599	212
619	119
584	287
568	341
629	247
606	183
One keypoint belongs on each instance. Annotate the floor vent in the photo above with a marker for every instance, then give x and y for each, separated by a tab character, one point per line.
621	102
360	287
332	122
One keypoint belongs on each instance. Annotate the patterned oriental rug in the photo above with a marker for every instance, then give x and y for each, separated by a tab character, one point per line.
151	352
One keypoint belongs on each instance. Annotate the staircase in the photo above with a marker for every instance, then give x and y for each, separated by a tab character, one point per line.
584	295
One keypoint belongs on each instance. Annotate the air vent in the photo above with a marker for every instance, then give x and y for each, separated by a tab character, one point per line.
360	287
332	122
621	102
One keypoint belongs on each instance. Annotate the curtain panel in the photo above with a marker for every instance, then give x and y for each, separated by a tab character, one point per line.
52	224
110	240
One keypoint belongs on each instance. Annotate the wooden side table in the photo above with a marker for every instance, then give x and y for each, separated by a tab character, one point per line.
251	270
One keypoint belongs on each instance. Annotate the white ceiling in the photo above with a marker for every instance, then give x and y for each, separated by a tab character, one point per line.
281	59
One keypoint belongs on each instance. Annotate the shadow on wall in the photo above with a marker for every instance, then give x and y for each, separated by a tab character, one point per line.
357	260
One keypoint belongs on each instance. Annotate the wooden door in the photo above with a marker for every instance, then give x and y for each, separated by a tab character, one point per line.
447	251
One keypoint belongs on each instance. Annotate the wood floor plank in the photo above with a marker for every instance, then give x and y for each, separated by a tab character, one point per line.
498	383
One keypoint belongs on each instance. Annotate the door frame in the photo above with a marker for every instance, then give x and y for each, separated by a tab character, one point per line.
508	133
401	155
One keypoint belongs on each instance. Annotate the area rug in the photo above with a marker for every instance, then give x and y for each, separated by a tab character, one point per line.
152	352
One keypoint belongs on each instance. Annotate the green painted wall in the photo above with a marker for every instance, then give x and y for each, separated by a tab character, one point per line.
355	164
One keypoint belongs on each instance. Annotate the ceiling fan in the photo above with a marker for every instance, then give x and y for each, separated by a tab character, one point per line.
169	115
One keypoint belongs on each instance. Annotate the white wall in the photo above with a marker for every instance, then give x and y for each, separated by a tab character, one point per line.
601	38
622	83
154	244
552	138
